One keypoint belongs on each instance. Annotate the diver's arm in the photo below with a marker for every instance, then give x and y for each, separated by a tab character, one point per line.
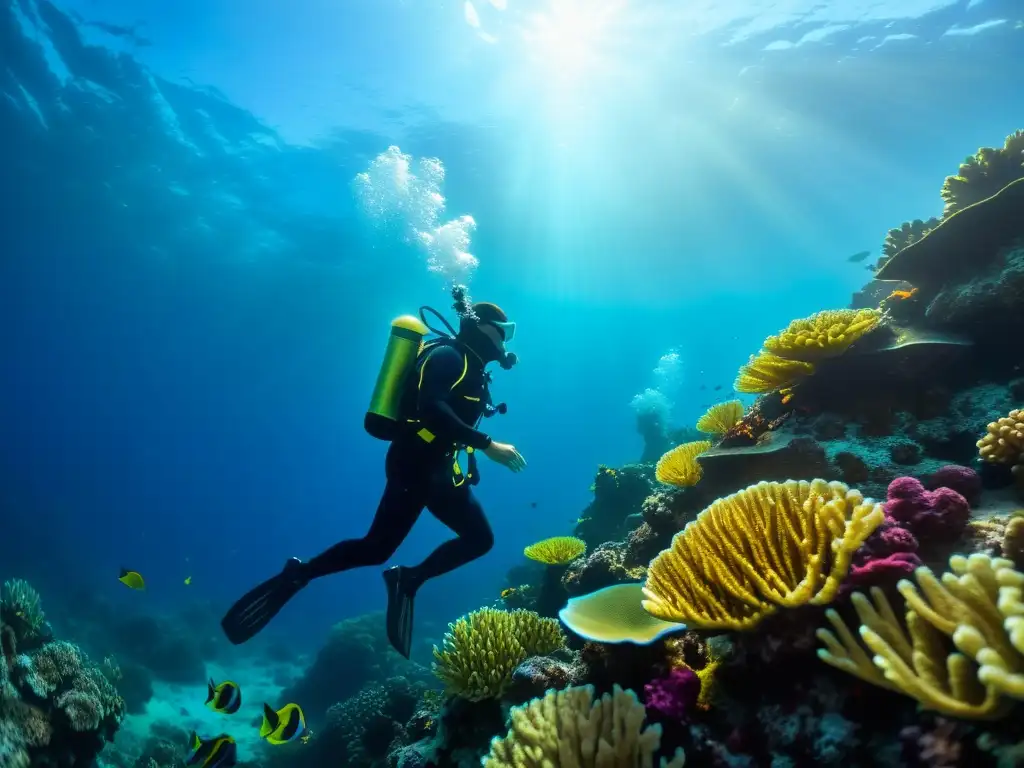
441	370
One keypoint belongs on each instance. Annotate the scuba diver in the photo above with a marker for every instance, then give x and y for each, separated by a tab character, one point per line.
428	401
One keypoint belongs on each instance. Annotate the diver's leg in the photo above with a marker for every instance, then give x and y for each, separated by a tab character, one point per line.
399	508
459	509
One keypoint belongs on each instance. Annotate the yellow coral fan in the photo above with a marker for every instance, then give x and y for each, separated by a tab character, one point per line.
767	372
568	728
720	418
984	174
962	652
1004	441
771	545
558	550
679	467
823	334
482	650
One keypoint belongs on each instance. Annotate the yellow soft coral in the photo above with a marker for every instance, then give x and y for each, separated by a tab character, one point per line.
568	729
558	550
720	418
482	650
1003	442
962	652
679	467
823	334
767	372
771	545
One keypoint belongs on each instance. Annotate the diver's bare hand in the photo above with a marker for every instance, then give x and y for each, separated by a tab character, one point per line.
506	455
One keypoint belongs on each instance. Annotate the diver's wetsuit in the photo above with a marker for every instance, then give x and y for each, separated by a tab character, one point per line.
452	396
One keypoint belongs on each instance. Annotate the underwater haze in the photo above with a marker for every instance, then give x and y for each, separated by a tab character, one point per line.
212	211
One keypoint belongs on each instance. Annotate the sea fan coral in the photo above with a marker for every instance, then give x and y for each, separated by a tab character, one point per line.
679	467
771	545
720	418
824	334
977	605
482	650
558	550
984	174
570	728
767	372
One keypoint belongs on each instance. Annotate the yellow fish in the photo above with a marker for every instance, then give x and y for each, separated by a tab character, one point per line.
286	724
132	579
225	698
219	752
188	580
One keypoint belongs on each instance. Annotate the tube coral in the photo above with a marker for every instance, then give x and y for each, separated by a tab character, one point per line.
977	606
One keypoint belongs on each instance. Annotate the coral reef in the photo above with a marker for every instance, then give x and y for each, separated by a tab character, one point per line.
56	707
984	173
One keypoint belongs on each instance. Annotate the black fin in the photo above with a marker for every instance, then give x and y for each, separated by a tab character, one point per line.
400	611
254	611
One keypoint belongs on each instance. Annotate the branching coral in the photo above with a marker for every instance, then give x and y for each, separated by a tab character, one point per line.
679	467
1003	442
977	606
771	545
721	417
824	334
482	650
569	728
984	174
767	372
906	234
558	550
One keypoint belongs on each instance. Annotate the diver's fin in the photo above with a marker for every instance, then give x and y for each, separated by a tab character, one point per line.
255	610
400	609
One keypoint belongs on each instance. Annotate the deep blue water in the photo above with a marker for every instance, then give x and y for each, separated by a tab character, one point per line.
194	307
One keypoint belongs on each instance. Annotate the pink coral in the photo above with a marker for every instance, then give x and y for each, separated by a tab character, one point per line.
963	480
673	696
941	514
888	554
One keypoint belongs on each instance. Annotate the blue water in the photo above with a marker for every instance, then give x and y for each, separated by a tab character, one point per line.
194	303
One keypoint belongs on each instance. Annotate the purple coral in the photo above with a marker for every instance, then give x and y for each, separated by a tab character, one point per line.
941	514
888	554
963	480
673	696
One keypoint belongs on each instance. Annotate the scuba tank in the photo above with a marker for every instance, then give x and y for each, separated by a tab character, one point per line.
404	344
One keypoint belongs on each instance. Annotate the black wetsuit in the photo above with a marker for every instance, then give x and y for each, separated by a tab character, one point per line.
447	398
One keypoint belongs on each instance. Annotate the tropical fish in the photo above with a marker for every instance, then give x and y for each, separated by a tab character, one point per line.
718	387
188	580
859	256
219	752
901	294
286	724
225	698
132	579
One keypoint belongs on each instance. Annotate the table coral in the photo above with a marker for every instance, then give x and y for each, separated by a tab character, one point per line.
941	514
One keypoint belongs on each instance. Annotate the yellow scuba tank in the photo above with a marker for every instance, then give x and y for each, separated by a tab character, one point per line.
407	332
